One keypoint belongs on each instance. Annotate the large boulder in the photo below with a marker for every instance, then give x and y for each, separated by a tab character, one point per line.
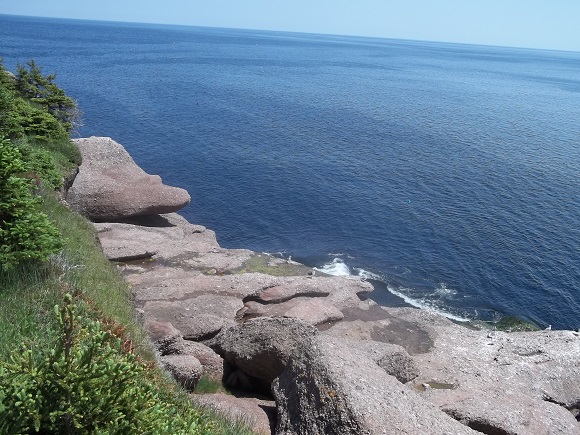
258	414
165	337
328	388
263	346
185	369
110	185
212	363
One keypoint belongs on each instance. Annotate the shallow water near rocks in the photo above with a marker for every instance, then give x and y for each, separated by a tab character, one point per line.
435	385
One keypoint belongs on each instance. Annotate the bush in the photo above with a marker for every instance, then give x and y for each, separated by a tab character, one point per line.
10	121
41	90
40	165
86	384
23	119
25	232
32	105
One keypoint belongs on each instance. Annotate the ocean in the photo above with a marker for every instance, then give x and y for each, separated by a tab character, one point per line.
447	174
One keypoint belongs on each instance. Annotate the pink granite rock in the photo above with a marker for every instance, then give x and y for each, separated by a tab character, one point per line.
110	185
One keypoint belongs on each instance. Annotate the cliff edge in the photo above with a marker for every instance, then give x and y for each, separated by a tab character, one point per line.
309	353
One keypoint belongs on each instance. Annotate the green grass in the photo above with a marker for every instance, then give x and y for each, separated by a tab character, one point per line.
30	292
27	296
209	386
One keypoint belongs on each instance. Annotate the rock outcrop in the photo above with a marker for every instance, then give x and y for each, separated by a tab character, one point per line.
327	388
111	186
262	347
334	361
186	369
259	414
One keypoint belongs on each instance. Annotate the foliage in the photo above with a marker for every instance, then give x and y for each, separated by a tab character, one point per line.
25	232
21	119
42	90
86	384
35	114
10	125
33	106
41	165
513	323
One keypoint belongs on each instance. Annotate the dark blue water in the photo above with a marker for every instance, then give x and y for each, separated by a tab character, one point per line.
448	172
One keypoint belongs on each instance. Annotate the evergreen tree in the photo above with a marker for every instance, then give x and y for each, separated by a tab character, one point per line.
42	90
25	232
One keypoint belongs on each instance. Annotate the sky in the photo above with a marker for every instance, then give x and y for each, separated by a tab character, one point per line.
546	24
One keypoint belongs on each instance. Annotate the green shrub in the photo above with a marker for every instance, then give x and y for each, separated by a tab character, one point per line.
41	90
20	118
40	165
25	111
10	121
86	384
25	232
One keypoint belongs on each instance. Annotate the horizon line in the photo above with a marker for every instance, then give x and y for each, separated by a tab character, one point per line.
292	31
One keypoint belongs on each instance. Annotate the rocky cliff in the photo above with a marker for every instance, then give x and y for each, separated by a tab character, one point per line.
307	353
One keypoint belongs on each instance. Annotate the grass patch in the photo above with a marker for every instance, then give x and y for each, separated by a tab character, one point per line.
28	294
513	324
83	266
264	263
208	386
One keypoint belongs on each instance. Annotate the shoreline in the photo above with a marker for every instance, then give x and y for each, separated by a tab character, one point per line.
193	296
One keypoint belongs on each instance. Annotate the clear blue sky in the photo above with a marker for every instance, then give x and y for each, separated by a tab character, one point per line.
551	24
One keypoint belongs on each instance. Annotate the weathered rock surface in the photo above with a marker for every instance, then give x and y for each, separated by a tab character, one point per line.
315	312
327	388
186	285
190	316
392	358
526	374
262	347
259	414
204	326
165	337
186	369
212	363
167	236
111	186
497	381
169	341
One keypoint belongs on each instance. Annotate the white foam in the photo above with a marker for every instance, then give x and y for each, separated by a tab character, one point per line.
335	268
445	291
426	306
365	274
340	254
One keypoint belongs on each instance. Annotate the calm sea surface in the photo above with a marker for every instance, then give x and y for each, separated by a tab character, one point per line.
449	174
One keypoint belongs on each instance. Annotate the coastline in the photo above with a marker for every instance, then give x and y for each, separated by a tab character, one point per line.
192	293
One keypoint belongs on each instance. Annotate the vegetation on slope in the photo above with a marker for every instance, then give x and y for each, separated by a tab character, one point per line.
72	357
